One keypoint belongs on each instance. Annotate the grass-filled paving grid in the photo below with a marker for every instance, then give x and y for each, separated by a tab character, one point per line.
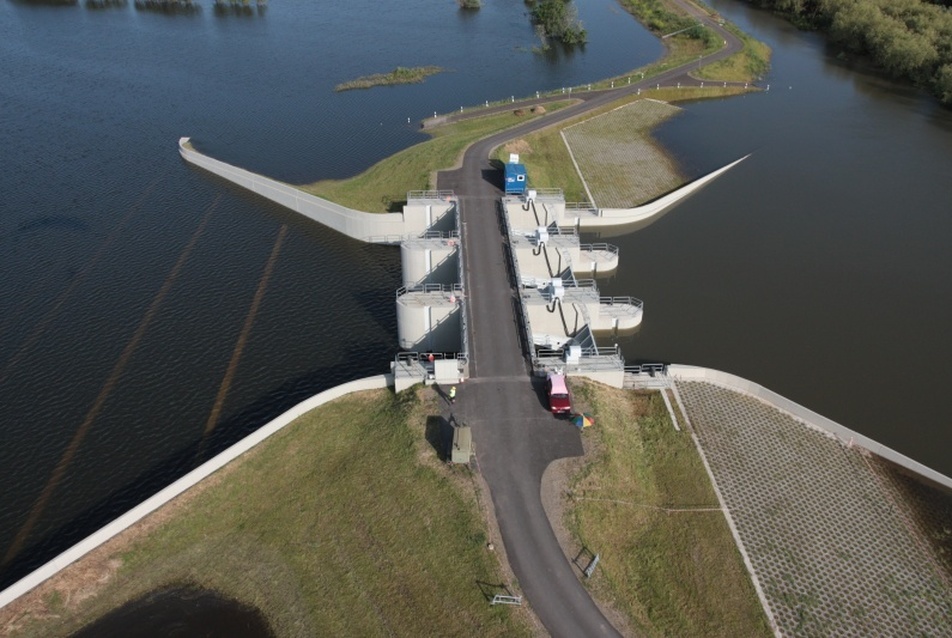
619	161
828	540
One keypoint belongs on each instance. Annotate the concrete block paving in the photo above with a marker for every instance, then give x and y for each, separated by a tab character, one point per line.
827	532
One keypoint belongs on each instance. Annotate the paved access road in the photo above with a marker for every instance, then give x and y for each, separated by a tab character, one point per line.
516	438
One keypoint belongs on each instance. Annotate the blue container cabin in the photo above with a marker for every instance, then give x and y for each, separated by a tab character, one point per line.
516	178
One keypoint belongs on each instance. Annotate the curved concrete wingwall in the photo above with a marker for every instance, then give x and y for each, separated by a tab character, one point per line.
370	227
151	504
619	216
807	416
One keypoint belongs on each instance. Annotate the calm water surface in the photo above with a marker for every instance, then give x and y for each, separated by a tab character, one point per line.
151	314
820	267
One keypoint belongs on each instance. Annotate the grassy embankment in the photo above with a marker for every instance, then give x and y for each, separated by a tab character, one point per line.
644	502
548	161
342	524
400	75
383	187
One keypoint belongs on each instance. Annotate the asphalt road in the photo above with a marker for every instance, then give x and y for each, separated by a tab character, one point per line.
515	436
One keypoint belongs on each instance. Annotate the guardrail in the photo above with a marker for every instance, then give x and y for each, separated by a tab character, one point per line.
602	246
460	276
622	301
430	194
650	369
453	288
579	206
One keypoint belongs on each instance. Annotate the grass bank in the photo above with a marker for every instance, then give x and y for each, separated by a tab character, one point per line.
548	161
383	187
342	524
400	75
644	502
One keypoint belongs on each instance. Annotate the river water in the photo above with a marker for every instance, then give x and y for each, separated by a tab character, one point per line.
819	267
151	314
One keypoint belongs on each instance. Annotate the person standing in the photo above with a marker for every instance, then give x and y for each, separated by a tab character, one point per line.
453	394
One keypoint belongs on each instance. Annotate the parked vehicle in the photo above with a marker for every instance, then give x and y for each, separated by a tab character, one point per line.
559	400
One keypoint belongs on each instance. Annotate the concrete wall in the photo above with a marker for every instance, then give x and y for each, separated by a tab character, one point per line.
434	214
428	323
620	216
809	417
151	504
383	227
432	261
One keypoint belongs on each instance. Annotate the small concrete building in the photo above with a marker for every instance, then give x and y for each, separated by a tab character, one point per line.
462	447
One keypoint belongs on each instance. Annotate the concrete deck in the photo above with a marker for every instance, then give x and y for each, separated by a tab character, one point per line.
828	536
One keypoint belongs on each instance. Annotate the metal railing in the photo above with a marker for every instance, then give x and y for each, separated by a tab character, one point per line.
429	288
579	206
622	301
650	369
549	193
464	322
444	195
599	246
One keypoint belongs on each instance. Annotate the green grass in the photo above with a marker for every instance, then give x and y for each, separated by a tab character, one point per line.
400	75
624	170
342	524
671	573
383	187
746	66
548	162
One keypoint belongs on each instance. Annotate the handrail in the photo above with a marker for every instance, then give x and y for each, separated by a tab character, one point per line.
621	301
611	248
430	194
453	288
650	369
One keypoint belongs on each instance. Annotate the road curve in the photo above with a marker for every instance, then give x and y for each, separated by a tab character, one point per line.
515	436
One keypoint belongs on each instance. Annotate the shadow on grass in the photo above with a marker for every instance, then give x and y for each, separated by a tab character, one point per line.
439	434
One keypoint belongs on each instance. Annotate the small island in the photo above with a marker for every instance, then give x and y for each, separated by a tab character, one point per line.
400	75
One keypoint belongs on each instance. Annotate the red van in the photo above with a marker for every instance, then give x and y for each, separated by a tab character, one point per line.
559	400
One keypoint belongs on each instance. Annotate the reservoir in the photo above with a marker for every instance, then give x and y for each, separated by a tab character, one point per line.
151	314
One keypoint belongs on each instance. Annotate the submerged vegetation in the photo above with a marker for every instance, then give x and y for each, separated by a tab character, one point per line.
400	75
908	39
557	20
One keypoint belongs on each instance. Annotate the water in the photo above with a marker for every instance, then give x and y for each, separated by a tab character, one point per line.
130	347
820	266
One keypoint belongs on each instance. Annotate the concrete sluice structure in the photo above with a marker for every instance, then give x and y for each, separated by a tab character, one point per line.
560	313
431	315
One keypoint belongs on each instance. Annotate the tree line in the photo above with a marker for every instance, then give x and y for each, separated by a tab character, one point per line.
909	39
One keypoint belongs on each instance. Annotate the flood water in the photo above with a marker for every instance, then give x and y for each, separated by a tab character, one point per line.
151	314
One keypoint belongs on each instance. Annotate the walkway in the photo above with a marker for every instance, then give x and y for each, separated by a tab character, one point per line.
515	436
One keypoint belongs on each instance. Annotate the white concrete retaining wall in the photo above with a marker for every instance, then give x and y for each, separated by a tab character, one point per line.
383	227
151	504
809	417
621	216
